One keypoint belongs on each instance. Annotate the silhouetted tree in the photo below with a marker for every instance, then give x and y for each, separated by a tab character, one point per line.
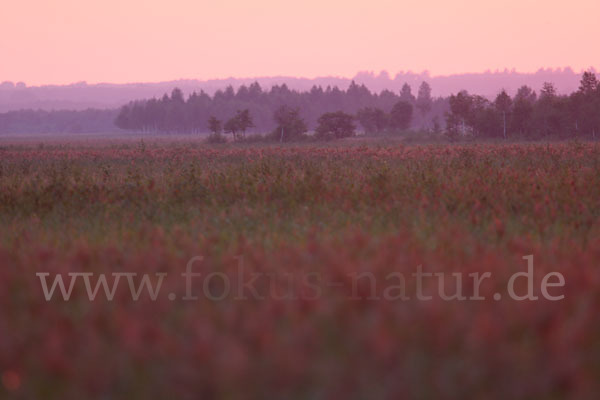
484	118
289	124
406	94
546	119
373	120
503	104
454	126
589	83
587	99
386	100
214	125
424	101
229	93
356	97
522	108
243	94
254	92
460	111
232	126
244	120
401	115
335	125
176	111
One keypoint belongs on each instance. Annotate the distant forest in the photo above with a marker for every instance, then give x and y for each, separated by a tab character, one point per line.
527	114
175	114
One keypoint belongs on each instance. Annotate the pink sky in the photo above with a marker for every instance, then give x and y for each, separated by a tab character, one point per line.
65	41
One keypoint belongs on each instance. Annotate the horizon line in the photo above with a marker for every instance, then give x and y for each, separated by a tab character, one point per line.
378	75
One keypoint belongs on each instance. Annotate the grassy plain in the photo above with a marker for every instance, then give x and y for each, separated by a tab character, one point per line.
337	210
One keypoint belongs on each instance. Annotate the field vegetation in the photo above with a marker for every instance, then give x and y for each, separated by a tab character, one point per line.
334	210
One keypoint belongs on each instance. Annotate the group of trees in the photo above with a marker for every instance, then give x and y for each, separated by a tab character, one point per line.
288	115
375	112
335	125
527	114
375	120
290	126
331	125
236	125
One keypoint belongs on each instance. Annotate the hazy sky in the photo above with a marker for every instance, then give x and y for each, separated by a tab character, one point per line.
65	41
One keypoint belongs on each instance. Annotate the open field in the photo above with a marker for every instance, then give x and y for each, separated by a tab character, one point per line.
306	221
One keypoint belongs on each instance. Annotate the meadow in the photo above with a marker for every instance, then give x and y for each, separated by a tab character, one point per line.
290	212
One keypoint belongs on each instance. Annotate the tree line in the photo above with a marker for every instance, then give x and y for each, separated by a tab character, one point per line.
283	114
527	114
250	107
287	114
